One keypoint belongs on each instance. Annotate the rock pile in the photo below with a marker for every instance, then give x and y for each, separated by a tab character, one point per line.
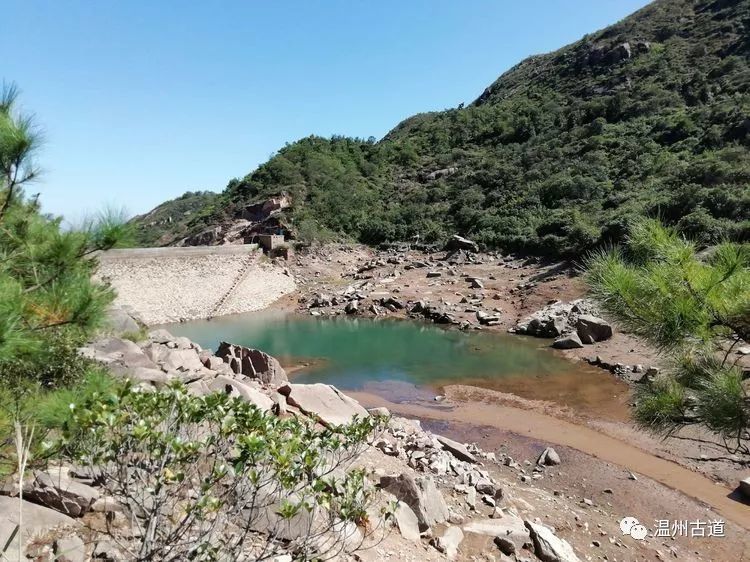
573	324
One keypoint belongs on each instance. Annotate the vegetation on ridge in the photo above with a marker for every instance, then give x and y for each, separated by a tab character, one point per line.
650	116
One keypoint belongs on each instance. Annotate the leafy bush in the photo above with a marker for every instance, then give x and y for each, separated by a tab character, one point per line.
214	477
45	409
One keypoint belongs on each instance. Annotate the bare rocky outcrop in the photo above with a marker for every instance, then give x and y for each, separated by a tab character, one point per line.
323	402
252	363
573	324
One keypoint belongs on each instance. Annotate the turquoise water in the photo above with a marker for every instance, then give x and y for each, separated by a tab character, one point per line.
358	354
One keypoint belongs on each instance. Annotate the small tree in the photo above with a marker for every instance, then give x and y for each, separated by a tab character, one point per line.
215	478
47	297
695	309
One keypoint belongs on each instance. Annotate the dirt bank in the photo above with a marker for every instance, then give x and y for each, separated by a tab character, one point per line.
485	409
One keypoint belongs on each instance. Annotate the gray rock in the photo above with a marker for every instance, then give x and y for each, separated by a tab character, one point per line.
160	336
457	449
407	522
486	486
323	402
179	359
745	487
514	534
36	520
471	498
252	363
460	243
117	352
568	341
234	387
57	490
70	549
547	546
212	362
352	307
156	377
449	541
549	457
120	322
421	495
592	329
107	550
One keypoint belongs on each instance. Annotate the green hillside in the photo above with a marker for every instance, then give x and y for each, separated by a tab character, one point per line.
649	116
168	222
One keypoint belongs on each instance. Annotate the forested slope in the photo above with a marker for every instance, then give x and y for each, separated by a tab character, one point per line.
649	116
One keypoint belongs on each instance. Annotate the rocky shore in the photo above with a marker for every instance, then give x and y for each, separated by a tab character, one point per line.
453	500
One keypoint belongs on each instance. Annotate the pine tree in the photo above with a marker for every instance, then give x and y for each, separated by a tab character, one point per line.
48	301
695	309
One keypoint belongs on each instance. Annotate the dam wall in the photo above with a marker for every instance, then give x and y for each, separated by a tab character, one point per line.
163	285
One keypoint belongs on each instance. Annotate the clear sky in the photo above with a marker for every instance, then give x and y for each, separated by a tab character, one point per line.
142	100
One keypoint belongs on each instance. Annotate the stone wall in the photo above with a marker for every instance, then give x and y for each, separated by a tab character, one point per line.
162	285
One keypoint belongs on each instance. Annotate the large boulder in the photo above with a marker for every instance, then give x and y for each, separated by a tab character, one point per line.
181	360
593	329
555	319
511	535
118	352
458	450
37	520
421	495
234	387
252	363
70	549
449	541
323	402
119	322
549	457
548	547
568	341
58	490
407	522
460	243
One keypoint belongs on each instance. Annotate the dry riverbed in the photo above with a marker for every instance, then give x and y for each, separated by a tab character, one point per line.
595	401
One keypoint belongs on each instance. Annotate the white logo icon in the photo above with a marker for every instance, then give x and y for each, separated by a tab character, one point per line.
631	526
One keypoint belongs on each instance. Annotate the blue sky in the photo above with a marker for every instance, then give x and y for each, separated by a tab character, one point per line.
143	100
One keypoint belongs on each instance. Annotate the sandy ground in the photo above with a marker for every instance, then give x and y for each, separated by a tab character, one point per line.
175	288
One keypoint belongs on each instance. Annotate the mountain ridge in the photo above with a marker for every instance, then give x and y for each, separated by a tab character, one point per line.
649	116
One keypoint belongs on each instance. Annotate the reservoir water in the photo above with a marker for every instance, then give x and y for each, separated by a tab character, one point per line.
407	361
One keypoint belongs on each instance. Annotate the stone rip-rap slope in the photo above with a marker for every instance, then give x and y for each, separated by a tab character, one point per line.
177	286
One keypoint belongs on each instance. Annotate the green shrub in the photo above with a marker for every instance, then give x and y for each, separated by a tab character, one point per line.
238	482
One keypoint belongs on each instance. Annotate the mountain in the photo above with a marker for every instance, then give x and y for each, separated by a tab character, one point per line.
648	116
168	222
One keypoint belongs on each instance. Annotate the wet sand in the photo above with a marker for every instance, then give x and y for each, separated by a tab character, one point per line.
532	423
